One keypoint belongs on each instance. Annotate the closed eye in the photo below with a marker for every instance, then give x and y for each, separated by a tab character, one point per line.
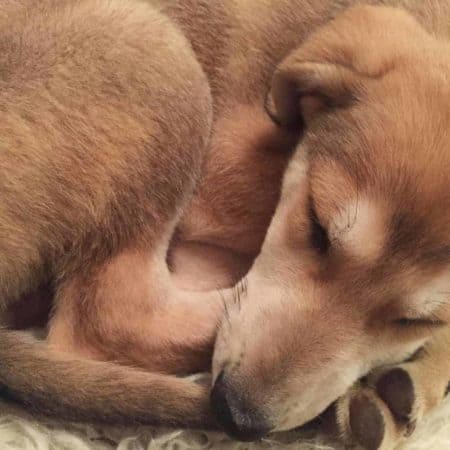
419	322
319	237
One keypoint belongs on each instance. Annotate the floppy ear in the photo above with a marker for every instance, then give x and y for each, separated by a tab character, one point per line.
302	89
335	64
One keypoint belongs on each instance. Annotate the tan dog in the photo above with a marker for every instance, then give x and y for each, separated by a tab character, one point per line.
108	115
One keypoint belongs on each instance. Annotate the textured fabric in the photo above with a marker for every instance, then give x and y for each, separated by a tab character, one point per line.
19	430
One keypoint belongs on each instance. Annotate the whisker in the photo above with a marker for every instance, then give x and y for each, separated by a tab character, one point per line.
238	296
225	306
243	289
239	290
244	285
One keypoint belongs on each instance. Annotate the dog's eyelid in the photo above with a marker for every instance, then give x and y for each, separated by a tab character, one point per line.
320	238
419	321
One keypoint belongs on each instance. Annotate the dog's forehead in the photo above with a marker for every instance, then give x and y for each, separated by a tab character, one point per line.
360	228
383	208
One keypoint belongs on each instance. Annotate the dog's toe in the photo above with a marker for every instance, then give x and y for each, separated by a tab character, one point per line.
366	421
396	388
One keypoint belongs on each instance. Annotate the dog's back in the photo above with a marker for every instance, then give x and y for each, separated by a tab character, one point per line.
72	197
84	164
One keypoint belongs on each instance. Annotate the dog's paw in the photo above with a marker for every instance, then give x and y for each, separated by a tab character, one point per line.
409	390
405	399
365	422
384	410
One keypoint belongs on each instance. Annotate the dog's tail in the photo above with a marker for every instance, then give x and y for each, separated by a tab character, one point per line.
82	390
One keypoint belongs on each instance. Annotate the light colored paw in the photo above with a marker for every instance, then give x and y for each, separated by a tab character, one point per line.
384	410
396	387
365	422
408	391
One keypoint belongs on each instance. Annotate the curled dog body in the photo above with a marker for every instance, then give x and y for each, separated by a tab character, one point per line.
134	133
354	270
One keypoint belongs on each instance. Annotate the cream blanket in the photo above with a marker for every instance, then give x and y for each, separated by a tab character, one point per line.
18	430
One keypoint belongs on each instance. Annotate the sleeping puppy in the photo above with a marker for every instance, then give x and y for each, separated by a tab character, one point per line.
354	271
135	144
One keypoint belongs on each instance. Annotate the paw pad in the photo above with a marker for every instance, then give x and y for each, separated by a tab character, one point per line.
366	422
396	389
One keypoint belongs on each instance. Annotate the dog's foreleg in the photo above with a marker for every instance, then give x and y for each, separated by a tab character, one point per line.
387	410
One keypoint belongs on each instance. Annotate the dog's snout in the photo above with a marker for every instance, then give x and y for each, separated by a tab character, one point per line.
239	418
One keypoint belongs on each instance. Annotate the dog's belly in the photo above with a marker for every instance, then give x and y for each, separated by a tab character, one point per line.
197	266
241	186
223	229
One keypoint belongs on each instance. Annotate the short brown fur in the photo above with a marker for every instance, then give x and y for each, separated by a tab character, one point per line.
125	123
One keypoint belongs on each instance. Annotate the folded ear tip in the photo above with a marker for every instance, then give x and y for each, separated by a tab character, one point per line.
282	103
269	106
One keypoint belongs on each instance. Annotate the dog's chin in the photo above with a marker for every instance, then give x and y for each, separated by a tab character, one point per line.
302	417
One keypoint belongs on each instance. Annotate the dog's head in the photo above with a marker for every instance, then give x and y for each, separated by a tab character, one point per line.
355	269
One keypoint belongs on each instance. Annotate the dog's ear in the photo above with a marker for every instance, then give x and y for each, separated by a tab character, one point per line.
334	66
302	89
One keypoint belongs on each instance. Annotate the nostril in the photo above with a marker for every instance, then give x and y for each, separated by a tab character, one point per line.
236	416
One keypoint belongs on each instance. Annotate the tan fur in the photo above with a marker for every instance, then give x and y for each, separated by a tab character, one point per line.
376	138
110	111
402	396
89	173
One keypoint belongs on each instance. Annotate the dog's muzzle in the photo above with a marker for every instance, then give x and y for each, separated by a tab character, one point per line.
239	418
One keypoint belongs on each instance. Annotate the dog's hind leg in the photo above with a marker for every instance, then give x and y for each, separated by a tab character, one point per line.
396	399
128	311
105	121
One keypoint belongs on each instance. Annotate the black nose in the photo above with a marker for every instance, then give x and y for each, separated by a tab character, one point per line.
236	415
